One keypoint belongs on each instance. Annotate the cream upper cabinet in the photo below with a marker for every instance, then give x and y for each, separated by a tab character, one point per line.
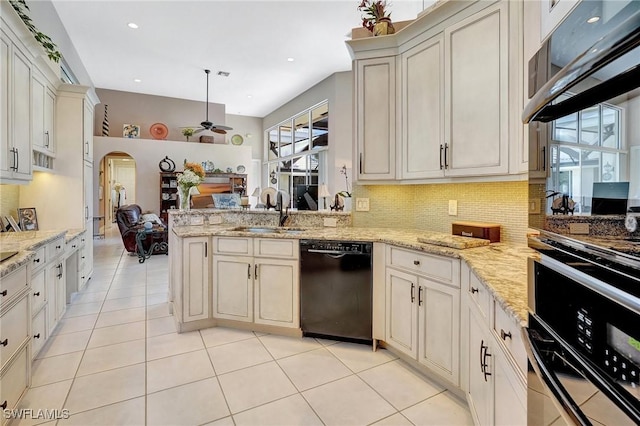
375	82
423	110
552	13
476	70
5	58
88	131
43	107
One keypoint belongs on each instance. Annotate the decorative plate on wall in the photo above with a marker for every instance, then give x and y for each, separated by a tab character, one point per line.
237	140
159	131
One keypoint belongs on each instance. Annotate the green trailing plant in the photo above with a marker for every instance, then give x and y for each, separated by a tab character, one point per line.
20	6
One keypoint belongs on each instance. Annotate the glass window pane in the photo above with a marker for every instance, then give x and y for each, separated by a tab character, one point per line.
320	129
274	144
285	140
610	169
610	127
565	129
590	126
301	126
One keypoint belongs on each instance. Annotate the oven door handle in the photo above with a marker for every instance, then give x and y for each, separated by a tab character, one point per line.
554	389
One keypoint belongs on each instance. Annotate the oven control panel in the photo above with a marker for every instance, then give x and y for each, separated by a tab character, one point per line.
337	246
585	330
620	367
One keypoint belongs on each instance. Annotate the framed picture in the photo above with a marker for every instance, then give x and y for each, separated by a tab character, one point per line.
226	201
130	131
28	219
12	223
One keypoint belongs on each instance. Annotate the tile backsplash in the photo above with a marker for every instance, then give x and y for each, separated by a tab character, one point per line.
426	206
9	200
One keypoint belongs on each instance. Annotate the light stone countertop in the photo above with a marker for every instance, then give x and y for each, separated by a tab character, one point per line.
501	267
25	243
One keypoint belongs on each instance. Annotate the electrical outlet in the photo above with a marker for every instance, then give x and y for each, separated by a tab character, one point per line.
362	204
534	206
330	222
196	220
453	207
215	220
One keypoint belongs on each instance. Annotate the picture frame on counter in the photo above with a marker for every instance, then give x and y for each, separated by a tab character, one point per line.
28	219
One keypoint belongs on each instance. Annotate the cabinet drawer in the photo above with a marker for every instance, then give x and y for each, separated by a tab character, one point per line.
55	248
232	245
15	328
38	291
12	284
40	259
39	332
507	329
443	269
14	381
72	245
270	247
479	294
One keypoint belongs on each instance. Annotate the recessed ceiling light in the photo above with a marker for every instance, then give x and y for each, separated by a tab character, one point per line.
132	25
249	96
137	80
223	73
593	19
290	59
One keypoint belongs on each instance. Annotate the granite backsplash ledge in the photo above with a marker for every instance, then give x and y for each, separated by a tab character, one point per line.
611	226
305	218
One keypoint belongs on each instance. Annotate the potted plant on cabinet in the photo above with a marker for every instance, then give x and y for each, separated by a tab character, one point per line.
376	18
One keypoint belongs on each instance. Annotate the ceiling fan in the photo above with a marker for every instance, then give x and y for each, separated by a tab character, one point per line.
208	125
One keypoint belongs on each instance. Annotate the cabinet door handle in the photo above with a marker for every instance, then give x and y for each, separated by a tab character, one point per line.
474	290
481	353
36	260
255	271
441	150
37	293
505	335
4	405
46	134
360	163
484	363
544	158
3	293
416	262
17	159
5	342
36	336
413	292
419	295
206	249
248	270
446	148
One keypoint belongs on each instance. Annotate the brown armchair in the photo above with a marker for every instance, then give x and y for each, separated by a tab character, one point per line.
128	219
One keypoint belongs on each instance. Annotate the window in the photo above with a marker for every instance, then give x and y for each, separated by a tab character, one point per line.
586	147
296	155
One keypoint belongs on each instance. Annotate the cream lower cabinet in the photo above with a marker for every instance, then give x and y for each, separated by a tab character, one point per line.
494	379
55	283
256	280
195	279
423	309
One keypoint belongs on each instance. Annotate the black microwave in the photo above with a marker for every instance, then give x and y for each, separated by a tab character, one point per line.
593	56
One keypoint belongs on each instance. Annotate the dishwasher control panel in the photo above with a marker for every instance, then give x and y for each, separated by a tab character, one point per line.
336	246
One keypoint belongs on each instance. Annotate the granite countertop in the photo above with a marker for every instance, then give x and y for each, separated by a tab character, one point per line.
502	267
25	243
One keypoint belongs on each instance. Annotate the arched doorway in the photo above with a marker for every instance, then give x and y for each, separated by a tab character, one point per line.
117	183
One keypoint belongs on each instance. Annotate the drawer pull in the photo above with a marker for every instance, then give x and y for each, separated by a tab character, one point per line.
58	247
37	293
505	335
5	342
36	260
36	336
3	293
73	246
4	405
413	292
416	262
474	290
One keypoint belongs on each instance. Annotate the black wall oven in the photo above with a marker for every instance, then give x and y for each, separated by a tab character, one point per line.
583	339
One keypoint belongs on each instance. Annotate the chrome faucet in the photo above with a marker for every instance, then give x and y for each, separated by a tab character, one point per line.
279	207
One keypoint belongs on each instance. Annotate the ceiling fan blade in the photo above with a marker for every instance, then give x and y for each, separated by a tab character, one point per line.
220	126
219	130
201	129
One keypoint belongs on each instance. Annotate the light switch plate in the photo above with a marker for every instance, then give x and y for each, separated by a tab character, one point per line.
534	206
453	207
362	204
215	220
196	220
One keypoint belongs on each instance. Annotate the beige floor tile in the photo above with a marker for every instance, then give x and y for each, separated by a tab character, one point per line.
157	288
191	404
124	316
399	384
173	344
55	368
113	385
82	309
178	370
157	298
314	368
283	346
65	343
160	326
75	324
109	357
91	297
117	334
124	303
158	311
49	397
237	355
124	292
97	286
226	421
255	386
360	357
348	401
442	409
129	413
394	420
292	410
220	335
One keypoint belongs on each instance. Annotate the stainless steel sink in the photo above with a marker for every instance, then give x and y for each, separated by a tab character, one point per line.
267	230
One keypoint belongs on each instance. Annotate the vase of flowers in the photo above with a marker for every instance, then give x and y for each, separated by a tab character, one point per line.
376	18
188	132
192	176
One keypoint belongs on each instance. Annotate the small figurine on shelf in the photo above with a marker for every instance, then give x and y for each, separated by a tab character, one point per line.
561	205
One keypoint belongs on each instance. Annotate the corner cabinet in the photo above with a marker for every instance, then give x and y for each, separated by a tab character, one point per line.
440	99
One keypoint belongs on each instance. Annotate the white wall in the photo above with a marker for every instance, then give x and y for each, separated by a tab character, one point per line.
148	153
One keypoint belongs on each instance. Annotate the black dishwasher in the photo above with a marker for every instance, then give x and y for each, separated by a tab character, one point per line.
336	290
